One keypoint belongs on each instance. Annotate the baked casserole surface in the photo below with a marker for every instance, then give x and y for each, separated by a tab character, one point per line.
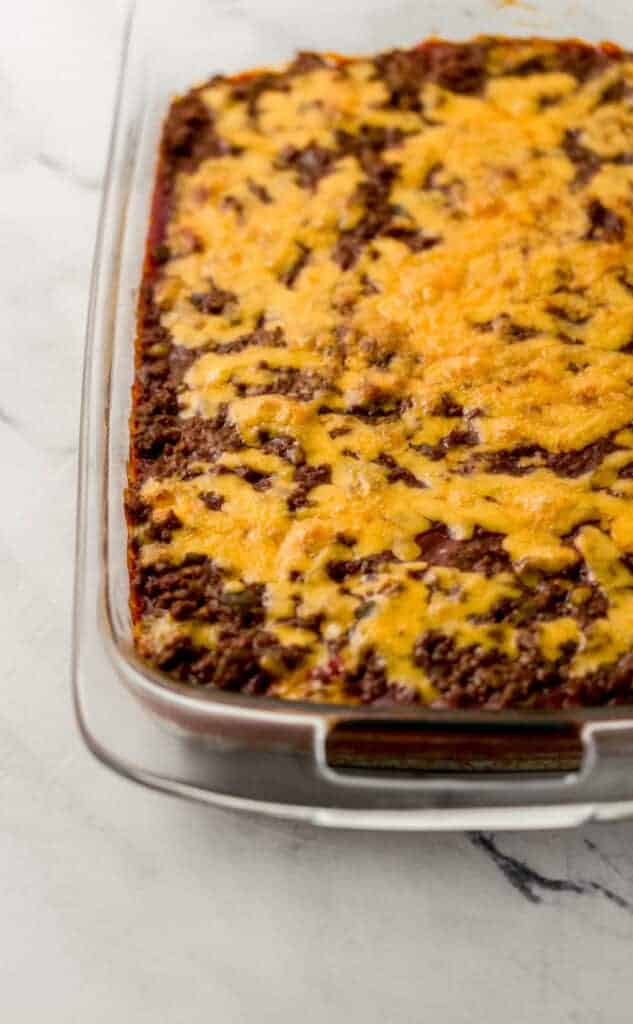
382	426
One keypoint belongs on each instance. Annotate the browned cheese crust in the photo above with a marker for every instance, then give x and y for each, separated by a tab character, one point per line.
382	428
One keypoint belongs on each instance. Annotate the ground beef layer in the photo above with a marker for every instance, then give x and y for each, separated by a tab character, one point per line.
382	428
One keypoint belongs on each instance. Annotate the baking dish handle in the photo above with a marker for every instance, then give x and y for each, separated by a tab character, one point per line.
602	773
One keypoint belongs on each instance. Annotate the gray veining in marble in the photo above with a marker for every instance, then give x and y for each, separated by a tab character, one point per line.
120	905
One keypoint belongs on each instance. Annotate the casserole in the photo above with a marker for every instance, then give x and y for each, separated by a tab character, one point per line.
381	444
335	765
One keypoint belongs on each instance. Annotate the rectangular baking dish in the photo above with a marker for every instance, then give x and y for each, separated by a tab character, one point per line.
335	766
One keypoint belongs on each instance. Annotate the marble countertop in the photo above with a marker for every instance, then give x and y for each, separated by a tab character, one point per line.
122	905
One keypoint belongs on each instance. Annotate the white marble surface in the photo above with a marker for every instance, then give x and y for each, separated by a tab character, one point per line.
120	905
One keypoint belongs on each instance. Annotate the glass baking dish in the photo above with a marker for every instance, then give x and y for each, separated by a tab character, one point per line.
335	766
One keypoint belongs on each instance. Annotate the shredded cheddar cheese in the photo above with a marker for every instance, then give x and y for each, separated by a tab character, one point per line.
383	431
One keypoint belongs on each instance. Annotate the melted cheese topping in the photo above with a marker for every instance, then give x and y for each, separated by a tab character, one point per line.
491	315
